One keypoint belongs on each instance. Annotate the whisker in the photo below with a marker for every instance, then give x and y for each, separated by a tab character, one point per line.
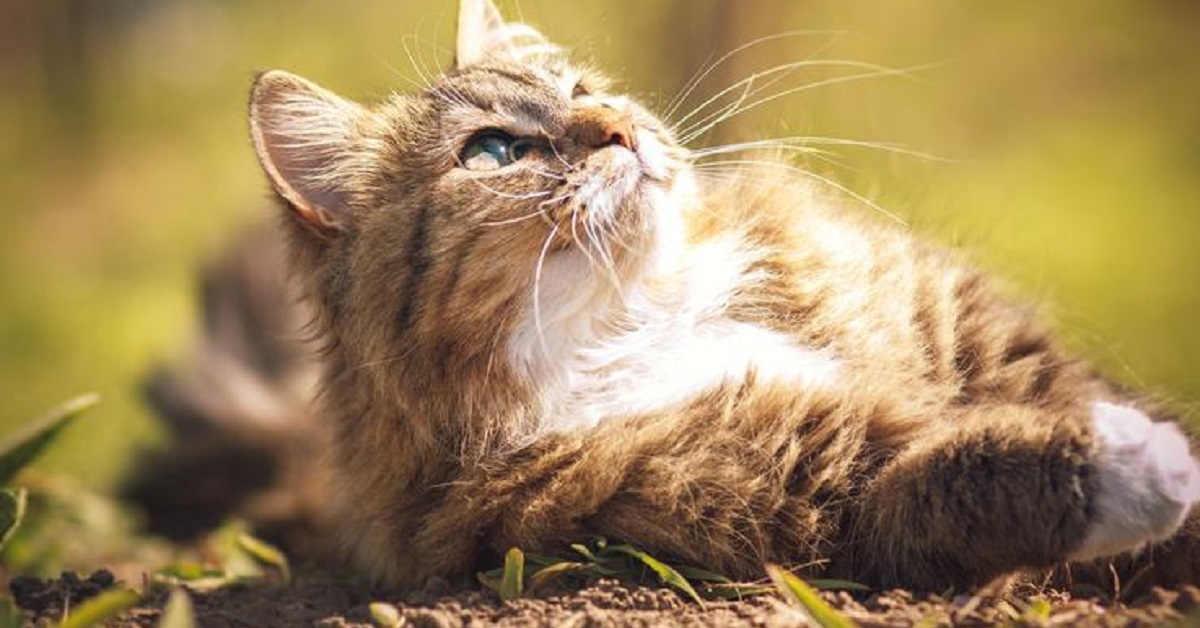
704	72
548	174
742	147
520	197
537	290
608	272
819	154
409	41
800	141
535	214
421	49
761	74
823	156
566	164
549	201
812	175
700	128
399	74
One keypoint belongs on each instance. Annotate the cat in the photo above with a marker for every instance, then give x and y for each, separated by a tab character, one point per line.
538	323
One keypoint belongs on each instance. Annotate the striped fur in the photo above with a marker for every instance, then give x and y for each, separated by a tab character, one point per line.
590	341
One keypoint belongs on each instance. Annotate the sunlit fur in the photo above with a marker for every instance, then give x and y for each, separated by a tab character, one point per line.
597	340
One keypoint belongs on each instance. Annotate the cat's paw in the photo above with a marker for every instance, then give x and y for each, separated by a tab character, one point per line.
1147	481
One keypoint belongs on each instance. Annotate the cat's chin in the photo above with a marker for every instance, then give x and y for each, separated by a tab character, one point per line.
625	203
618	176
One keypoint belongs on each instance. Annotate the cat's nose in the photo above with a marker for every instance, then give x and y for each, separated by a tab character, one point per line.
598	127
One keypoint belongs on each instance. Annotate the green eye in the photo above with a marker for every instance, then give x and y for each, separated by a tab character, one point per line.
492	150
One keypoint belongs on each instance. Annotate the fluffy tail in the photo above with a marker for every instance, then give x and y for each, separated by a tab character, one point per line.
238	409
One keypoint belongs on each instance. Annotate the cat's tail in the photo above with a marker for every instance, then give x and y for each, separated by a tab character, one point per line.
237	408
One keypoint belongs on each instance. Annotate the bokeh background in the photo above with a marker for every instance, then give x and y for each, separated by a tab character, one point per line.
1070	132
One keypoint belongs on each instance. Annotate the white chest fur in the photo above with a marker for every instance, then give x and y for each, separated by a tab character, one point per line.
630	376
596	353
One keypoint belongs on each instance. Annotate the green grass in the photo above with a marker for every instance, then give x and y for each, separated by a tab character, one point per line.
797	592
523	573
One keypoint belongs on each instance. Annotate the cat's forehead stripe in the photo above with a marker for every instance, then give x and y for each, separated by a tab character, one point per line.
516	77
532	106
553	82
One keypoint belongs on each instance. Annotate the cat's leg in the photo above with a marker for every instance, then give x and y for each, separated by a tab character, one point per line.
1014	486
738	478
997	355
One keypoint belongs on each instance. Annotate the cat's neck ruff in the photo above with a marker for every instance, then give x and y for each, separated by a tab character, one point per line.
595	351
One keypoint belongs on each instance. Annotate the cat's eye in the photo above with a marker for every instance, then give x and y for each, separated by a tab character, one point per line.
579	90
491	150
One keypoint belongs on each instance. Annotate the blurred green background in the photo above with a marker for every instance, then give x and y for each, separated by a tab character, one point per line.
1073	130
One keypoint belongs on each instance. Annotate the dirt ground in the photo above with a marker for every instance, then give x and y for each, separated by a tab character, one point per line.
317	599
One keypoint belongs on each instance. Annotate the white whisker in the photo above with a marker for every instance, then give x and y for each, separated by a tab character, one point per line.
812	175
747	83
704	72
537	291
409	41
549	175
566	164
700	128
606	270
520	197
801	142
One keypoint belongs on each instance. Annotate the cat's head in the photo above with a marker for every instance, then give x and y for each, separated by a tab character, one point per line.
514	186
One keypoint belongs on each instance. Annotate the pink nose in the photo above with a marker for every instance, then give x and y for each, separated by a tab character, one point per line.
620	132
597	127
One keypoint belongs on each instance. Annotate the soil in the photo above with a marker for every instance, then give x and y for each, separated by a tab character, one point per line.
316	599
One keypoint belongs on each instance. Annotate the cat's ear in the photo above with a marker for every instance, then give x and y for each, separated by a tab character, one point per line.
303	135
478	23
483	33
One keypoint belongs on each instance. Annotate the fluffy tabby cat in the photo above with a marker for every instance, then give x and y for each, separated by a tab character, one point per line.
540	324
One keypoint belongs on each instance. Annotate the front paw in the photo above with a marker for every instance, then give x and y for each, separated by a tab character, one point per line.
1147	480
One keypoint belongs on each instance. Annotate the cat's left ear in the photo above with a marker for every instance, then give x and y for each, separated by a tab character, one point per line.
306	138
483	33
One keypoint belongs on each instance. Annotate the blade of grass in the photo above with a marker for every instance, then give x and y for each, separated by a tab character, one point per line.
19	450
12	511
490	579
101	608
701	575
585	552
1037	611
735	590
541	560
824	584
513	580
557	570
178	612
265	554
795	591
666	573
188	571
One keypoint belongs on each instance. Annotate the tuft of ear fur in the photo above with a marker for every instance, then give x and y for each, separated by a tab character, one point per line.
304	135
483	33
